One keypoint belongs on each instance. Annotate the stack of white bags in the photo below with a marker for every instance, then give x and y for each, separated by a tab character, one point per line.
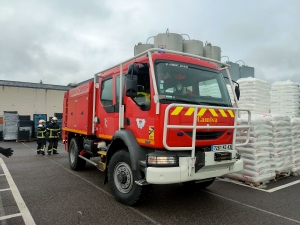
256	154
255	95
281	156
296	145
285	98
230	93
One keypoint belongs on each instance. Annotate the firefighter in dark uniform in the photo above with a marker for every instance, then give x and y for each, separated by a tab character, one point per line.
41	139
53	133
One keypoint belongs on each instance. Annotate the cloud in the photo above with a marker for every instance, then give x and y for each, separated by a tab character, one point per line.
68	41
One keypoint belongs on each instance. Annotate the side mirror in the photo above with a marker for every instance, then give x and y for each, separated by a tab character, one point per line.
237	92
140	88
131	86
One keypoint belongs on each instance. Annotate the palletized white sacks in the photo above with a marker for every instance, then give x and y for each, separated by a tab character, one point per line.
230	93
281	156
255	95
295	122
256	154
285	98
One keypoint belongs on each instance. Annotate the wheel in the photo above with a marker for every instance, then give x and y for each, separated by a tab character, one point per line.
198	184
121	180
75	147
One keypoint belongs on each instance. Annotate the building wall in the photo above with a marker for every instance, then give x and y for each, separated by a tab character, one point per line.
29	101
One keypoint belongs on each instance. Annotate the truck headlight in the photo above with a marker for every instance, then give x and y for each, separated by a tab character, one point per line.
153	160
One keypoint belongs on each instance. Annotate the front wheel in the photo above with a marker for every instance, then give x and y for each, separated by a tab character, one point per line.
76	163
121	180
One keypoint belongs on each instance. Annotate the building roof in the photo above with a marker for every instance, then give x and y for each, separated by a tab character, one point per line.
34	85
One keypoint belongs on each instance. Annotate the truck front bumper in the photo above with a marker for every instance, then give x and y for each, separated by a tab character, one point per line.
187	172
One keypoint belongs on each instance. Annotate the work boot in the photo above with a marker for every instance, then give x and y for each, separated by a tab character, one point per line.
38	152
55	153
42	153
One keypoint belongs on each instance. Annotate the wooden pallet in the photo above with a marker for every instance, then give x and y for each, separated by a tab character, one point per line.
248	182
280	175
295	174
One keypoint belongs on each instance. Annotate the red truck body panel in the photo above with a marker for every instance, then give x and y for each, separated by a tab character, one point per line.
79	105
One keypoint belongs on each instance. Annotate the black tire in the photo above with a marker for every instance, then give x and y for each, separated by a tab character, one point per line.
198	184
75	147
121	180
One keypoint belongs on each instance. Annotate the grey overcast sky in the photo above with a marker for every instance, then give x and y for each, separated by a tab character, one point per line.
68	41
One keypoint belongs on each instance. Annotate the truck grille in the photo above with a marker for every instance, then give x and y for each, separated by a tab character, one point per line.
206	135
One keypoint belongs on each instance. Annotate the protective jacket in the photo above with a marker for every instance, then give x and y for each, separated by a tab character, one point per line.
53	130
41	132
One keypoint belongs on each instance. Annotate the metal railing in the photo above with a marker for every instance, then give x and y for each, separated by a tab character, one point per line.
194	126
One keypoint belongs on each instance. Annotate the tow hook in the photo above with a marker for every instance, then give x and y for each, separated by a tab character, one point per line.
237	156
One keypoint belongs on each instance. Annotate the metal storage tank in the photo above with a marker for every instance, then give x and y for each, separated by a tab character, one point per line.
139	48
193	47
212	52
234	71
246	71
170	41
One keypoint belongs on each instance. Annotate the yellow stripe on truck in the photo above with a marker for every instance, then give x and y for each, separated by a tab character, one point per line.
223	113
189	112
213	112
201	112
176	111
230	113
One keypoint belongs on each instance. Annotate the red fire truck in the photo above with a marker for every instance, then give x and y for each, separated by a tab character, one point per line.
161	117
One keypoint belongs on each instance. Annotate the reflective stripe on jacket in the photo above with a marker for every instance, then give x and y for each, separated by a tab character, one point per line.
54	130
41	131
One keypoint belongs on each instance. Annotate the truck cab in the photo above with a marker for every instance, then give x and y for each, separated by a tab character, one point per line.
161	117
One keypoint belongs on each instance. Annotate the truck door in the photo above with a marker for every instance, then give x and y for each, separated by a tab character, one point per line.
105	109
140	111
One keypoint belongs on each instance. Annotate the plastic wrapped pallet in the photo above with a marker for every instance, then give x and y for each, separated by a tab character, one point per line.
256	154
255	95
295	127
10	125
231	95
282	142
285	98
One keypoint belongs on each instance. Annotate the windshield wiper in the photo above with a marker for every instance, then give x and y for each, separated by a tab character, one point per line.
180	100
216	104
195	102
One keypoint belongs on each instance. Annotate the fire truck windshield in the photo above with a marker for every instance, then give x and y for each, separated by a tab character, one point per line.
191	84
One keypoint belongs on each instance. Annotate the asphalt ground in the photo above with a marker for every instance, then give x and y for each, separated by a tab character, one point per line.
38	189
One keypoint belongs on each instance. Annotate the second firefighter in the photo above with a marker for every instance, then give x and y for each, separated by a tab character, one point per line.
41	140
53	134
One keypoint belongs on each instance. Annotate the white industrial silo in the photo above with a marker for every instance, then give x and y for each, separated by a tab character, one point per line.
212	52
193	47
139	48
170	41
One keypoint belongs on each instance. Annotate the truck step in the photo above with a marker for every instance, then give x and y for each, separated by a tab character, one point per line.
101	166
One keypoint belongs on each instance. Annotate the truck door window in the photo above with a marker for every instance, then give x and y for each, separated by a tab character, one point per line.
106	93
118	87
143	97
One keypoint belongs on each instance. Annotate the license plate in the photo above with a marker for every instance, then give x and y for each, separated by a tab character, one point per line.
221	147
